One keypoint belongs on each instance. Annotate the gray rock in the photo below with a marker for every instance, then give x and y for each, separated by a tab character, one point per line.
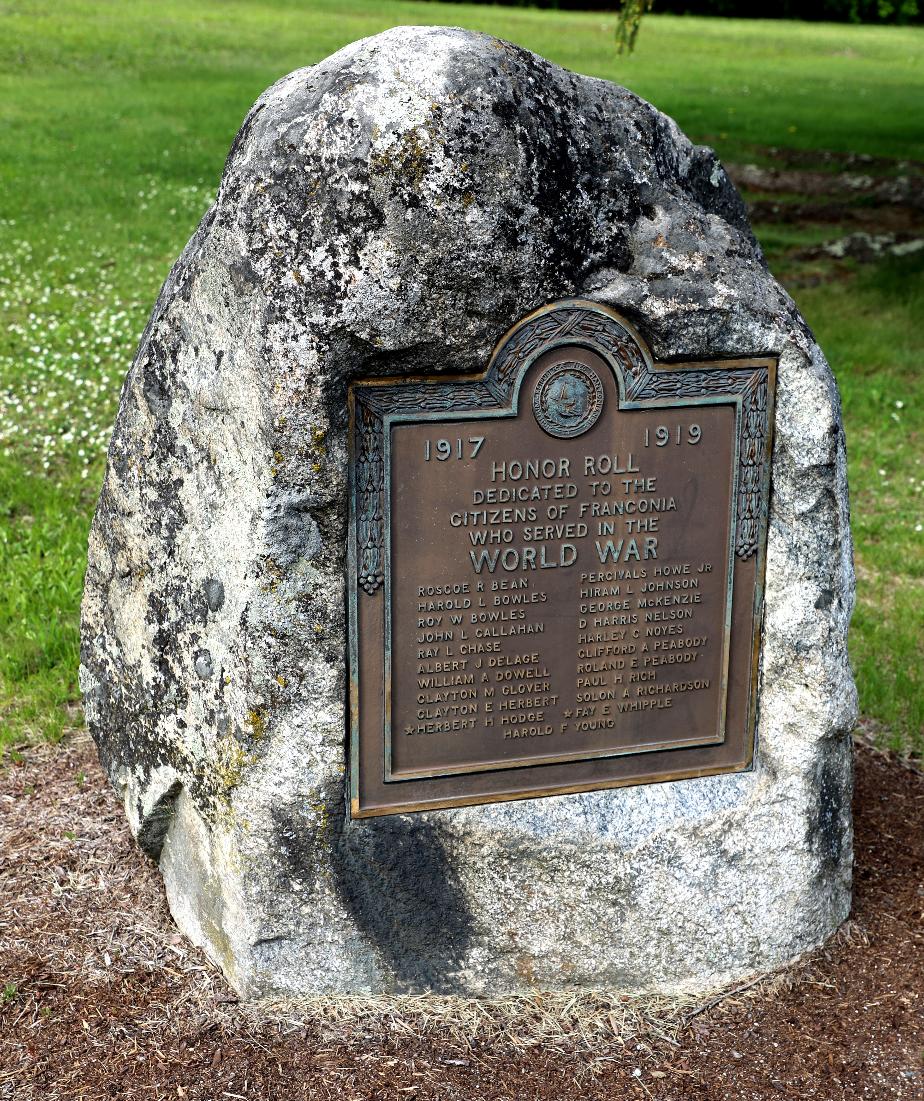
393	210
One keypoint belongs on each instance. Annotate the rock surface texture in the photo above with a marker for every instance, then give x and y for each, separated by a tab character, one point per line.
393	210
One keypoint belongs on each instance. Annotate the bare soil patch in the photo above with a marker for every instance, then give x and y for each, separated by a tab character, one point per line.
831	160
873	207
102	998
903	191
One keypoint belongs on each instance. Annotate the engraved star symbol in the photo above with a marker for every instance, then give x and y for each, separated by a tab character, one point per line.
408	730
567	714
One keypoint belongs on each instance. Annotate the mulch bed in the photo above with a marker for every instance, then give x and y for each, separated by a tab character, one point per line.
102	998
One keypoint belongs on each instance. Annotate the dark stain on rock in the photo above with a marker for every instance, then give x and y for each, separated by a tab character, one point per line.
214	594
828	818
203	665
397	880
825	600
710	186
244	277
291	528
154	825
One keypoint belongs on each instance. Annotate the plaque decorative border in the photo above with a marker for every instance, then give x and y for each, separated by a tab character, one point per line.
375	405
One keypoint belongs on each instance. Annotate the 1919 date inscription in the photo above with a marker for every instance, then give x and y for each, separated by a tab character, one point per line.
555	569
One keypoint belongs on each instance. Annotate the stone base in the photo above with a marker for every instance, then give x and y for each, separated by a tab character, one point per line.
674	888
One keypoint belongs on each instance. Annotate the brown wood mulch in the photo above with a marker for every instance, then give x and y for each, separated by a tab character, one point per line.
102	998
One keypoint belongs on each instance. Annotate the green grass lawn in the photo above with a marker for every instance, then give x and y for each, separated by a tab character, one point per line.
115	118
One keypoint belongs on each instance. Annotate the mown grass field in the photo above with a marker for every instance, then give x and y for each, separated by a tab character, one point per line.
115	119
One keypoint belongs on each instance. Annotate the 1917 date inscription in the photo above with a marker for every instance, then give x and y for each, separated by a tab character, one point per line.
555	569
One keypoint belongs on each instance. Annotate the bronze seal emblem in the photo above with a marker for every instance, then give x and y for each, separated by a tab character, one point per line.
568	399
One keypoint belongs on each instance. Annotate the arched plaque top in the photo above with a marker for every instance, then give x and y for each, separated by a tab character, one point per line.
641	382
572	321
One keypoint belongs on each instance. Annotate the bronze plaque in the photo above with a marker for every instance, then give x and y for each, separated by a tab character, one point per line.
555	569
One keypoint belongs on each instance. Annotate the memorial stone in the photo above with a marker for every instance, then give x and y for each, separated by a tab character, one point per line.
467	596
